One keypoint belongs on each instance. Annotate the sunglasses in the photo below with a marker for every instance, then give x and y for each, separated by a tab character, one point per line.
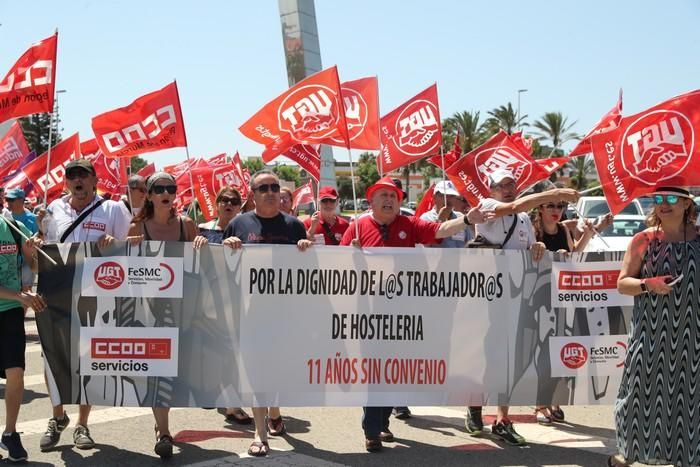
275	187
232	201
328	200
160	189
556	206
77	173
670	199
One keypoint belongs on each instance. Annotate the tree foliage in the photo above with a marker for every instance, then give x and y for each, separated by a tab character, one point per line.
36	131
366	172
289	173
554	127
504	118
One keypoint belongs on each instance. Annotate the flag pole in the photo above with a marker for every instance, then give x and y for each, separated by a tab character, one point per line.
51	115
354	196
379	124
187	151
12	226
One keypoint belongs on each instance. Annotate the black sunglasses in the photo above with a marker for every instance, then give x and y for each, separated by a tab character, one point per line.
72	174
556	206
227	200
275	187
160	189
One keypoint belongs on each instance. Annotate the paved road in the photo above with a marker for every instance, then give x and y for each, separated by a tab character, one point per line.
316	436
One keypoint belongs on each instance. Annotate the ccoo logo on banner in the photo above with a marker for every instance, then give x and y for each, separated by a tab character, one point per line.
587	285
587	355
121	276
129	351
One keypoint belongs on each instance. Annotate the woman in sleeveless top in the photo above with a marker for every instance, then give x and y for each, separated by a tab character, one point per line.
657	411
556	237
158	220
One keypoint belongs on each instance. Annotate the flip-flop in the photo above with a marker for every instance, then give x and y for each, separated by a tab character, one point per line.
275	426
258	449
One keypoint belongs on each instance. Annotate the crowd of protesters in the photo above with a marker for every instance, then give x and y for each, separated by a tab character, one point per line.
658	269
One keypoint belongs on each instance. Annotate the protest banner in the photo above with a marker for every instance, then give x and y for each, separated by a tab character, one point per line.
163	324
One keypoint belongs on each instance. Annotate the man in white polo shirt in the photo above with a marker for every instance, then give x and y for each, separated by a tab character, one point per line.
510	229
80	216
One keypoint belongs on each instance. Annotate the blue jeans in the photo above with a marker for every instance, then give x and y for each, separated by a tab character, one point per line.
375	420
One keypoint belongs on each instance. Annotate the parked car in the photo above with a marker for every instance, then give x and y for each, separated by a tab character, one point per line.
647	204
619	234
594	206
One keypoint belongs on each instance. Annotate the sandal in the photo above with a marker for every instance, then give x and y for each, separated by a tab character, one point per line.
542	416
258	449
617	461
275	426
164	447
557	414
239	416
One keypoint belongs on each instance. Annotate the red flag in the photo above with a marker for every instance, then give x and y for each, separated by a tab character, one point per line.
307	113
307	156
523	144
450	157
361	102
608	122
243	174
651	149
552	164
61	154
412	131
426	204
13	148
470	173
89	148
303	195
208	181
147	170
150	123
28	88
108	171
218	160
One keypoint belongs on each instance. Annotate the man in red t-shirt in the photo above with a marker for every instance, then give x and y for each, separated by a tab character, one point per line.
386	227
325	223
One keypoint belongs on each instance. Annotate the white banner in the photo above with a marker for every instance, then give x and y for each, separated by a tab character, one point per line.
128	351
587	355
132	277
587	284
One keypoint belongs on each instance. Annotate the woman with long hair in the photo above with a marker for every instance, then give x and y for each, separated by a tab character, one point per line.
158	220
656	411
556	237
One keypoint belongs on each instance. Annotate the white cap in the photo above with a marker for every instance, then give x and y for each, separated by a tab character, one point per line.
499	175
446	187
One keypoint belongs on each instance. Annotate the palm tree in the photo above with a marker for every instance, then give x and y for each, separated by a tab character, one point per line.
466	123
504	118
583	166
554	126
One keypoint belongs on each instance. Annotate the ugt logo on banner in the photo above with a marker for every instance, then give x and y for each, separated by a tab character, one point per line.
121	276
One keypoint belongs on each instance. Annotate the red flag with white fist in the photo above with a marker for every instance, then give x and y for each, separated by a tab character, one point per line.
307	113
651	149
470	173
412	131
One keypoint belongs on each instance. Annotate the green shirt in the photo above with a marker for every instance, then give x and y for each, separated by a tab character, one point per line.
10	273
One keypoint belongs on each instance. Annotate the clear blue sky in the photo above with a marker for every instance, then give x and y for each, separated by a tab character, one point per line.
228	60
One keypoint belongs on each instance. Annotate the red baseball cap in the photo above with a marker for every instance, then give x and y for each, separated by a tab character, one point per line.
328	192
384	183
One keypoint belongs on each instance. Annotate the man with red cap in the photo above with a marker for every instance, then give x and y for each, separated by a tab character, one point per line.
325	226
386	227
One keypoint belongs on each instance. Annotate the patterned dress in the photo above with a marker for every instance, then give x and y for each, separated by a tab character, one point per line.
657	412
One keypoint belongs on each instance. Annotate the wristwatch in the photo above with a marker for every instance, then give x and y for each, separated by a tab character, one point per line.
643	286
466	220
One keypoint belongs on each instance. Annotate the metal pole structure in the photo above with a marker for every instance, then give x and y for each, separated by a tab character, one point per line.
52	119
520	91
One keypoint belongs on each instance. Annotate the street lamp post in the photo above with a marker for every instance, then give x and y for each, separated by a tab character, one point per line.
520	91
